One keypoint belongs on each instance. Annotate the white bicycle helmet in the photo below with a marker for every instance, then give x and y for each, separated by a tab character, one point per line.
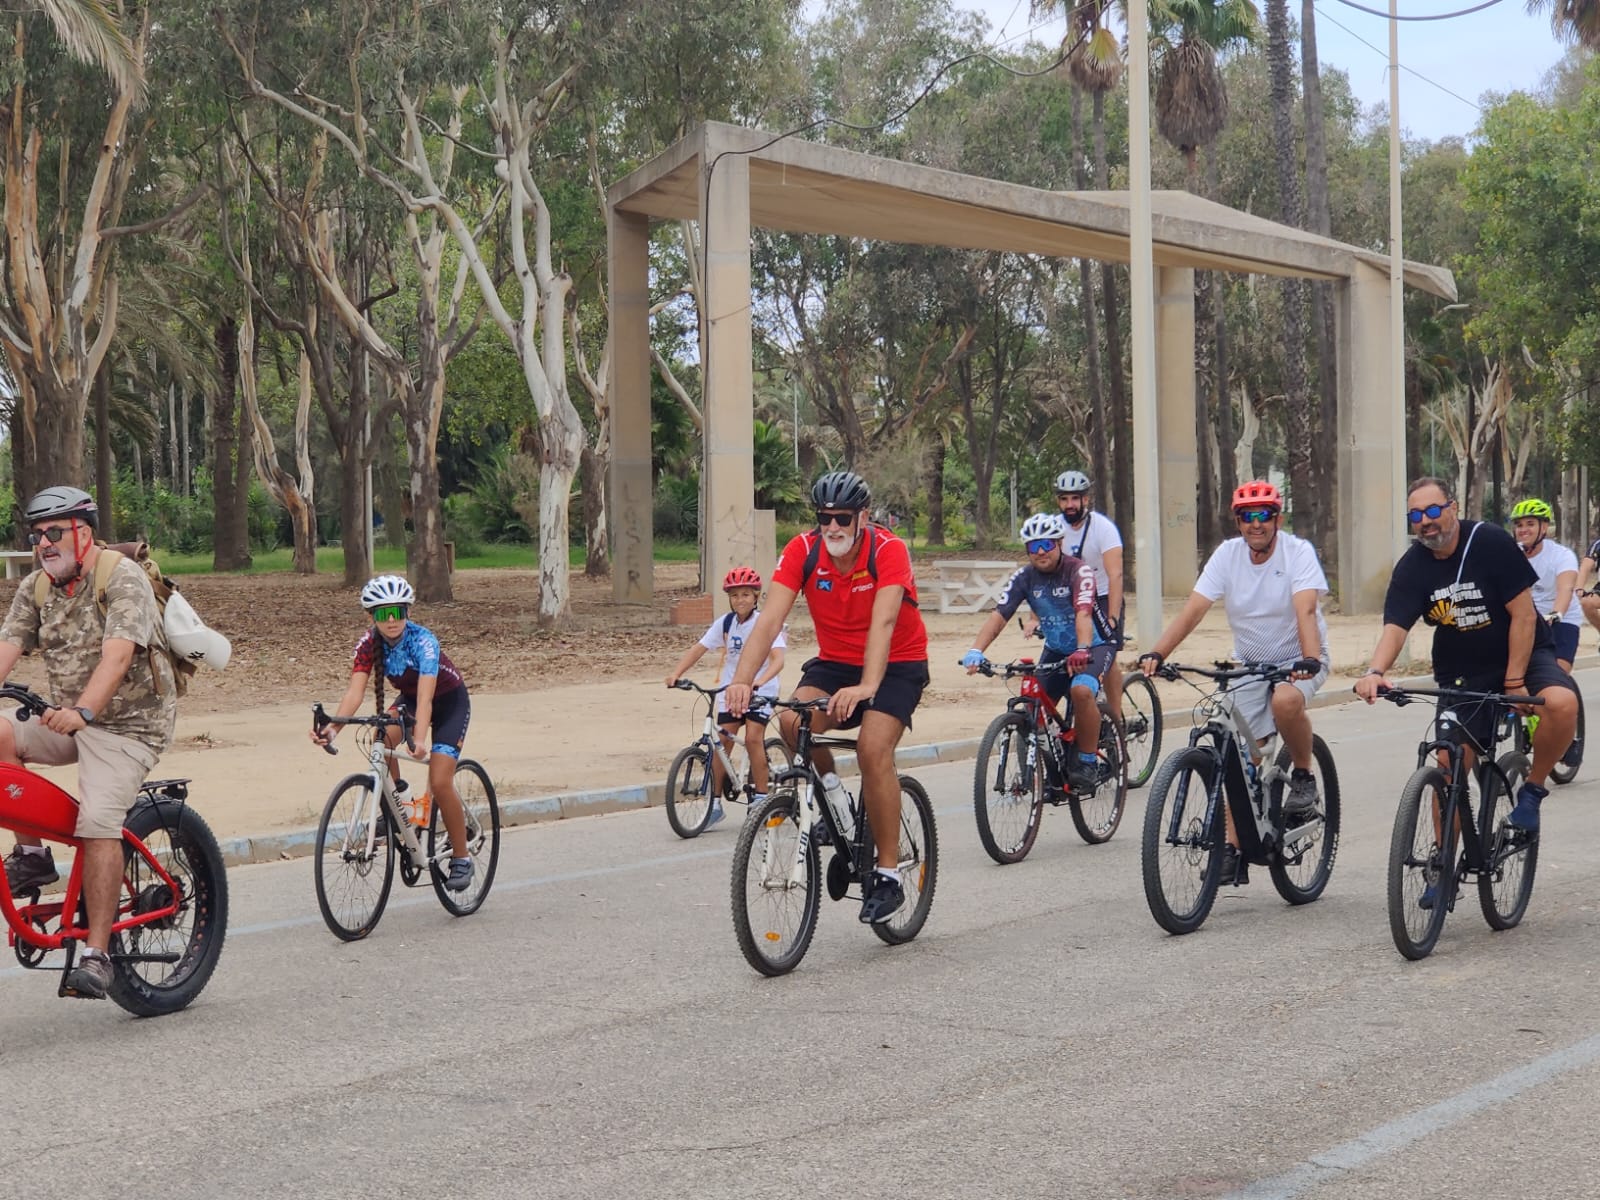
386	589
1044	525
1072	481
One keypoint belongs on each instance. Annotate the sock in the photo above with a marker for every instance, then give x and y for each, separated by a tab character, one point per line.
1087	759
454	861
889	873
1302	773
91	952
757	797
1539	793
39	850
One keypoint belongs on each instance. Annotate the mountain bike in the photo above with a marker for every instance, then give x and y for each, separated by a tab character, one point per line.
777	884
1022	766
172	915
1436	844
355	854
1141	726
689	778
1185	827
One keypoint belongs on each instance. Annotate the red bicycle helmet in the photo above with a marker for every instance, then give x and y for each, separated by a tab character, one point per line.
1258	493
741	577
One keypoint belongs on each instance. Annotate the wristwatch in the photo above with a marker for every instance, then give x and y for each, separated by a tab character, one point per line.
86	713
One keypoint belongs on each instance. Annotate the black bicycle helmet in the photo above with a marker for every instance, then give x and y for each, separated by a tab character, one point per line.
63	502
841	489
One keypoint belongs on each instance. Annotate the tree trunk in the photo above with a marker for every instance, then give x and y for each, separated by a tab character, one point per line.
1099	418
1227	472
1206	518
1319	216
592	472
560	450
21	467
1304	501
102	450
425	557
230	542
174	474
60	422
355	452
1121	428
936	453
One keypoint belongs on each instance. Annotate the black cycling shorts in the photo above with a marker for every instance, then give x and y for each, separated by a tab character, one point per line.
898	694
1056	683
1478	719
759	713
452	713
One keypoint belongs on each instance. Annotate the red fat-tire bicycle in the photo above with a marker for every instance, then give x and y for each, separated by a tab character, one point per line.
172	914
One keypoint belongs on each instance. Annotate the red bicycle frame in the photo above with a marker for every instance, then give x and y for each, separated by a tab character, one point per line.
33	806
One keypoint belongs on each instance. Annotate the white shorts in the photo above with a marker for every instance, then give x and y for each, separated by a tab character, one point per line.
1253	702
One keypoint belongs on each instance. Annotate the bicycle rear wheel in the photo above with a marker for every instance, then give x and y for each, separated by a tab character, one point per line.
779	758
689	791
774	913
1141	727
180	840
1301	871
1422	859
352	882
1505	883
1181	850
482	812
919	865
1566	768
1007	797
1097	815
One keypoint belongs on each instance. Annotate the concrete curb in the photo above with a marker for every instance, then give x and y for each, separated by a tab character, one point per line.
528	810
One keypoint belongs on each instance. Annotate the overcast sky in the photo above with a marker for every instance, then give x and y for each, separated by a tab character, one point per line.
1500	49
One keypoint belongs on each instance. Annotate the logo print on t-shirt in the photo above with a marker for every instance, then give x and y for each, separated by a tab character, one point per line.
824	585
1442	613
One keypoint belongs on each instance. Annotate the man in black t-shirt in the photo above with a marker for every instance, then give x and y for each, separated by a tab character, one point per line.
1587	570
1472	583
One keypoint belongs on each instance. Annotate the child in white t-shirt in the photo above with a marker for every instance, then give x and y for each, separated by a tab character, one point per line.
728	633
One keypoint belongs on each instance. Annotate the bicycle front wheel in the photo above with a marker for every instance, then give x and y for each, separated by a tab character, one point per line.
919	864
1181	851
1096	816
1141	727
1301	870
180	840
1422	863
482	813
689	791
1007	796
353	882
1510	856
1566	768
776	888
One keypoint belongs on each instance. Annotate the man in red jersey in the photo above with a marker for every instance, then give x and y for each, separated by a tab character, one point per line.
872	660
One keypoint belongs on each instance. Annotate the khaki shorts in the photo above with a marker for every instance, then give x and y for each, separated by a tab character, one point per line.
110	769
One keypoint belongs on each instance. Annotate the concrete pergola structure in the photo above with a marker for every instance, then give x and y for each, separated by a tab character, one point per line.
731	179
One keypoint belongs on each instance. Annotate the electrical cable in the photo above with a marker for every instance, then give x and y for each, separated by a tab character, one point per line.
1460	12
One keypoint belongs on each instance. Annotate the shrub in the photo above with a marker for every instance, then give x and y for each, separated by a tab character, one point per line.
677	508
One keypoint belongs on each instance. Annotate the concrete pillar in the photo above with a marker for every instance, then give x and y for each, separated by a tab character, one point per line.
727	524
1372	532
1177	455
631	507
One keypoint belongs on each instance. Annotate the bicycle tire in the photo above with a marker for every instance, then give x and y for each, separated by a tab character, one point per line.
348	877
482	811
1180	840
779	759
1142	724
1007	799
918	862
1415	850
1505	884
689	791
178	837
1303	887
1097	816
1564	772
774	941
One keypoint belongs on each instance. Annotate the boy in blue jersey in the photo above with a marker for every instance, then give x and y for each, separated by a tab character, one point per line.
1060	589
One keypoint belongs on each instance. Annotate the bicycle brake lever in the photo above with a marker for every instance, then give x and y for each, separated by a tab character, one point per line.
330	747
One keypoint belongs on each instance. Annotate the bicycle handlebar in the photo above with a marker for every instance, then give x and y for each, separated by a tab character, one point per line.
30	703
1400	697
689	685
1225	671
320	720
1021	667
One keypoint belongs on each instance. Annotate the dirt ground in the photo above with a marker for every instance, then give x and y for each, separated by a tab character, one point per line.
553	711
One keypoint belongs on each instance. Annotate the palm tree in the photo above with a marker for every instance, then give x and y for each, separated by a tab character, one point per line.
1186	37
90	32
1572	20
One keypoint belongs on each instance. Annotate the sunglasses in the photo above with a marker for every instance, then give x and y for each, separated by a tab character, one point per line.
1040	545
1256	516
1433	512
824	519
390	612
53	535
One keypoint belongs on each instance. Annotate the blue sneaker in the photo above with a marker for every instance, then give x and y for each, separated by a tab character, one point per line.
716	814
1525	815
1430	895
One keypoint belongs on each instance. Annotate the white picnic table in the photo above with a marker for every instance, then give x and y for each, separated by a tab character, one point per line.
969	585
18	562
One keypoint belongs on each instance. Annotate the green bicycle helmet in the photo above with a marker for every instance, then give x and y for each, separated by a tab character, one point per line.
1533	507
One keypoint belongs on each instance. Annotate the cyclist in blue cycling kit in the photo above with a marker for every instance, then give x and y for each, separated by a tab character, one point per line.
430	691
1060	589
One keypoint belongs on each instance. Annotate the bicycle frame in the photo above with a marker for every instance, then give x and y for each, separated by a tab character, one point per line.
1457	805
814	801
381	790
33	806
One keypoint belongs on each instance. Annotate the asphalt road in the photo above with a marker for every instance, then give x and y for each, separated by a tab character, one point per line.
594	1032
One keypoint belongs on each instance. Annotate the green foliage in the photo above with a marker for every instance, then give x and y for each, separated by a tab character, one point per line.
778	482
184	524
677	507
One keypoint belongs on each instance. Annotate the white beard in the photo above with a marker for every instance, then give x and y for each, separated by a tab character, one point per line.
59	567
839	544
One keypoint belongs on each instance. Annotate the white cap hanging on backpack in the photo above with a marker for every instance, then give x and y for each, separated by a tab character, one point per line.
191	638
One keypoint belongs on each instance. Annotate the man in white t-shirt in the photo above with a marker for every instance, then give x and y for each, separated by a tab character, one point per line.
1094	537
1271	586
1557	569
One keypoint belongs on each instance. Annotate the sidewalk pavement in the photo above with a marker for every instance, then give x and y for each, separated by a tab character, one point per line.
295	843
